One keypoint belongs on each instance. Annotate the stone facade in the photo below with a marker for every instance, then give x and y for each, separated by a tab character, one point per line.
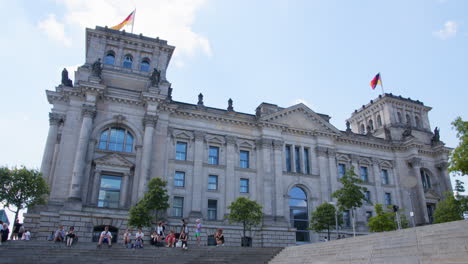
119	126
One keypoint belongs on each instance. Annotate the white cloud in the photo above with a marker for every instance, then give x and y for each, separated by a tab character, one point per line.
449	30
171	20
54	30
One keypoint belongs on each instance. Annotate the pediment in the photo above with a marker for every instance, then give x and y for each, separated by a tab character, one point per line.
114	160
182	134
300	117
246	144
215	139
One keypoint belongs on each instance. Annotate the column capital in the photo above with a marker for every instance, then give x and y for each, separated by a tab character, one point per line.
375	161
331	152
231	139
88	111
264	142
199	135
414	162
278	144
150	120
443	165
321	151
56	118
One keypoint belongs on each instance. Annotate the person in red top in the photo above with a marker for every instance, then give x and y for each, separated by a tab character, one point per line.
171	239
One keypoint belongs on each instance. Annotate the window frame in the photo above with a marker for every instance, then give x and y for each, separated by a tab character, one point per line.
287	150
389	196
125	61
241	186
216	183
344	169
105	203
124	143
244	163
179	152
366	169
213	160
385	177
212	212
178	208
112	54
179	180
145	60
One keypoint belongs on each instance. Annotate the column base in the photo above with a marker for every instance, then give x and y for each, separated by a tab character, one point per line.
73	204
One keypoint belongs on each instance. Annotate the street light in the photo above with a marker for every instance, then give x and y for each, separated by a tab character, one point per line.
336	218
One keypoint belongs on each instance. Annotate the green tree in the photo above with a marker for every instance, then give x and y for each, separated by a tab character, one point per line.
21	188
153	203
383	221
459	157
323	217
448	209
245	211
351	195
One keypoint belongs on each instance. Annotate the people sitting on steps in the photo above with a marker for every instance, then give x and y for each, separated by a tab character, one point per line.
171	239
70	236
139	239
219	237
183	238
127	239
106	237
59	235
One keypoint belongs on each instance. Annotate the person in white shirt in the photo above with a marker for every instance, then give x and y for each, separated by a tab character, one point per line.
127	238
106	236
26	235
139	239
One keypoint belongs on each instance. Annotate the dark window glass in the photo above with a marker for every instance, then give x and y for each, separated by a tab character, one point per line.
181	151
388	198
364	175
212	182
145	65
379	121
408	120
367	196
426	180
371	124
288	158
244	159
417	121
399	117
368	215
116	139
212	209
179	179
341	170
384	174
297	159
128	60
109	191
244	185
306	161
213	155
110	58
362	130
178	206
298	213
346	218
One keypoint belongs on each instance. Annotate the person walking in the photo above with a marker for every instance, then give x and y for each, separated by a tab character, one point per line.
198	231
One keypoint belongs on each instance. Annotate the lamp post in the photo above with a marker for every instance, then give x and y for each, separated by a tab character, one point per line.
336	218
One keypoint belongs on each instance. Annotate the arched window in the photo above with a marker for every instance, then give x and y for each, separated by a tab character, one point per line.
298	213
408	120
379	121
399	117
362	129
128	60
145	65
417	121
116	139
110	58
371	124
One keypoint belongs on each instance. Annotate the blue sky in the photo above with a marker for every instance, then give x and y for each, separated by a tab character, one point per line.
323	53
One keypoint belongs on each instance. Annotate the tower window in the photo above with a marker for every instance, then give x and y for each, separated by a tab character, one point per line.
128	61
145	65
116	139
379	121
110	58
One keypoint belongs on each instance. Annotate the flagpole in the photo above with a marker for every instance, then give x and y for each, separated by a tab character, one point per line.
133	22
381	83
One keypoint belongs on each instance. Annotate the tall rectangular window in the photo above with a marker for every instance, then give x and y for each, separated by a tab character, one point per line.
178	206
368	215
288	158
297	159
367	196
109	191
212	182
179	179
426	180
306	161
341	170
384	174
244	185
213	155
364	175
346	218
244	159
181	151
212	209
388	198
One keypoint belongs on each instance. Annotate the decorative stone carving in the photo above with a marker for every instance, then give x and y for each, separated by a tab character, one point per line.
169	94
230	108
200	100
231	139
278	144
199	135
56	118
407	132
155	77
119	119
88	111
442	165
436	138
321	151
150	120
264	142
65	80
96	68
414	162
348	127
331	152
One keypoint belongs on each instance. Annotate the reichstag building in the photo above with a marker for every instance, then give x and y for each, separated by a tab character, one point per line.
117	126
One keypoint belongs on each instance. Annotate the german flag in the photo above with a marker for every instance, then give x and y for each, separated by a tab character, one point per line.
376	81
127	21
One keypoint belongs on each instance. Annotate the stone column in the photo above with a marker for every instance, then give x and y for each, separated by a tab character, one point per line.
88	112
136	173
293	158
421	217
96	186
324	173
149	122
268	178
231	179
124	190
197	182
54	121
278	146
444	177
378	182
333	171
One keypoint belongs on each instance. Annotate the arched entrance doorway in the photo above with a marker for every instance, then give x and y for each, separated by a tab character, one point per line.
299	214
98	229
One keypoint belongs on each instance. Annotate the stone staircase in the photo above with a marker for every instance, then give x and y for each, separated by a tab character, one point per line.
439	243
84	252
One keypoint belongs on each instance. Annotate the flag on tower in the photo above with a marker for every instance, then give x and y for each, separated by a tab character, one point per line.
376	81
129	20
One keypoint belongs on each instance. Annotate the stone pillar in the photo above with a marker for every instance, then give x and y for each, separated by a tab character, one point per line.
231	161
444	177
197	183
124	190
378	182
324	173
268	177
54	121
136	173
293	158
96	186
333	169
149	121
88	112
278	146
421	217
